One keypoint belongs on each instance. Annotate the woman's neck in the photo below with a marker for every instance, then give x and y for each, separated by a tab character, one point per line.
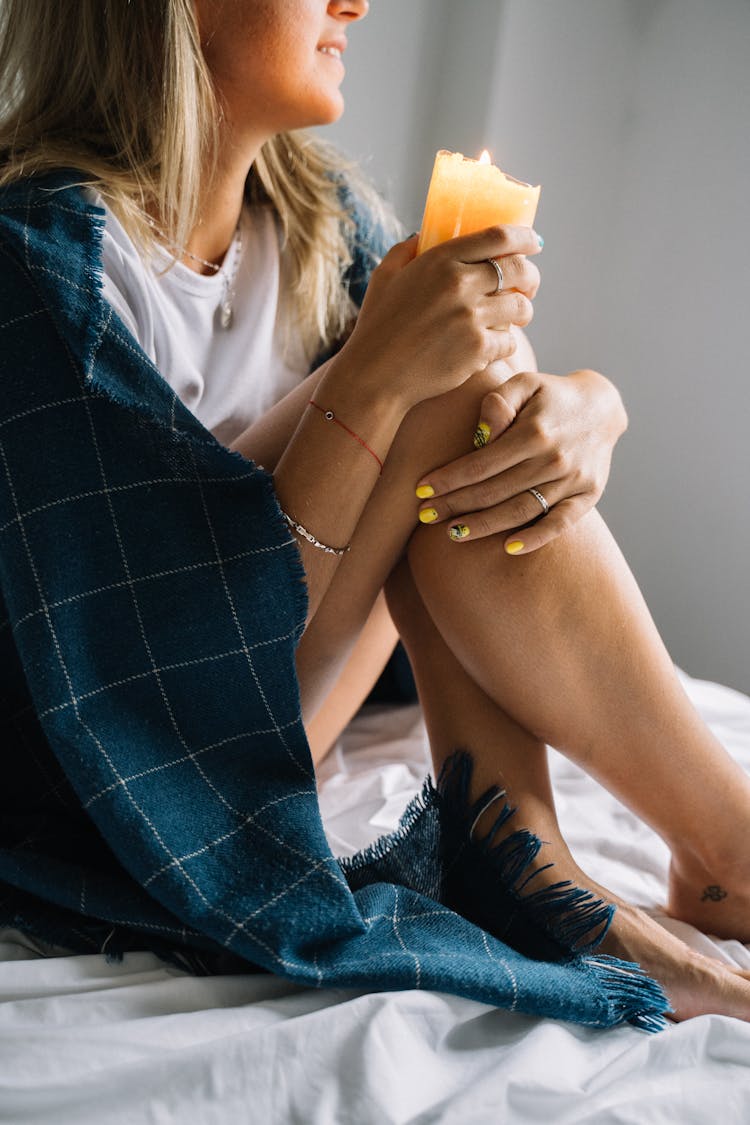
220	213
213	236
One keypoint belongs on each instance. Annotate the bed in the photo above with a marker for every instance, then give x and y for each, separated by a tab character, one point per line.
88	1042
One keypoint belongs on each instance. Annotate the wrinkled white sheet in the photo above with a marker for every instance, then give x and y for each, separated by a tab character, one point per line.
87	1043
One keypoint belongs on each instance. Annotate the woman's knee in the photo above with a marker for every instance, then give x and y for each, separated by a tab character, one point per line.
439	429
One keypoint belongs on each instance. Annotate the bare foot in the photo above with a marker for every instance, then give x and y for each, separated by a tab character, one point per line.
714	899
694	984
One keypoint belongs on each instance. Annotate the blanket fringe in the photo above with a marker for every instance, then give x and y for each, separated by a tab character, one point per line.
489	882
633	995
575	919
423	802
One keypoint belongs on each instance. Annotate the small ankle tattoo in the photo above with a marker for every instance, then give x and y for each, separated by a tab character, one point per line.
714	893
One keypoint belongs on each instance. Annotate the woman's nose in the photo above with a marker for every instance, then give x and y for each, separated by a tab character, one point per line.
349	9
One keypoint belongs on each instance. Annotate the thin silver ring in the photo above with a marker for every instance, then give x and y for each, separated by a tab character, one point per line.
538	496
500	278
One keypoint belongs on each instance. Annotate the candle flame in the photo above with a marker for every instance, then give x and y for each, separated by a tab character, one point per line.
485	158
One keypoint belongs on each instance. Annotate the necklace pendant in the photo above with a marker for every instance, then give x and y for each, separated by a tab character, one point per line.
225	315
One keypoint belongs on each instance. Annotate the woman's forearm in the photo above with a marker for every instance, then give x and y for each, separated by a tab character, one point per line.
324	476
425	326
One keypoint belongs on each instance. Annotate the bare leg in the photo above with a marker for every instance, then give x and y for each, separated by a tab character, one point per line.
388	521
359	675
562	641
459	714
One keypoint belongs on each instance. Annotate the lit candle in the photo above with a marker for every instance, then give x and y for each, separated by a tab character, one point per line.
468	195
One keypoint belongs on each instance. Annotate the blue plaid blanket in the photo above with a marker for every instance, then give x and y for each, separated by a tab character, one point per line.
158	790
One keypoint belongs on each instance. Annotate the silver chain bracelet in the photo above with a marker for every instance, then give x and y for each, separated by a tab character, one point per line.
338	551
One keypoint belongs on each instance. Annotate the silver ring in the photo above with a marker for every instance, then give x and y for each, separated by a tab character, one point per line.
538	496
500	278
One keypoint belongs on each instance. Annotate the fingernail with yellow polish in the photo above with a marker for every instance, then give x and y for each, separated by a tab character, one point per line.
425	491
481	435
428	515
459	531
514	547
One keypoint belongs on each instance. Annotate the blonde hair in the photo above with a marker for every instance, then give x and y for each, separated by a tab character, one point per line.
119	91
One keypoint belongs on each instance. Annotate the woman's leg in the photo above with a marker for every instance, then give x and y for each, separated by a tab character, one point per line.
359	675
331	661
458	714
563	642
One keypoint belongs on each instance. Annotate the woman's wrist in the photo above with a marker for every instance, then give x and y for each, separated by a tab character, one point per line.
361	402
330	466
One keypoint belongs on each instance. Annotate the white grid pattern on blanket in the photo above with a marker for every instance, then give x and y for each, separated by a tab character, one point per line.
122	781
174	861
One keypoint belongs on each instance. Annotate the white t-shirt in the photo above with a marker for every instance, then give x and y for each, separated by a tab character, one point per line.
227	377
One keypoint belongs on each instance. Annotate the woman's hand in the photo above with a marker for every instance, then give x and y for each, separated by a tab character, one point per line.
552	433
428	323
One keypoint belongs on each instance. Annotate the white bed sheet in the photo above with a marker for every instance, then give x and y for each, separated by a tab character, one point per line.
87	1043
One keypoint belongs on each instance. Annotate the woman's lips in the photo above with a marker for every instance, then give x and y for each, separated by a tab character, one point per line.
333	47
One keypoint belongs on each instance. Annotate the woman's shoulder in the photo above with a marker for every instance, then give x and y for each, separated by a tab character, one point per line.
50	241
47	225
43	202
36	186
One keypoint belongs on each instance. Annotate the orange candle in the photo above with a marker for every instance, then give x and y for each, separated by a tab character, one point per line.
468	195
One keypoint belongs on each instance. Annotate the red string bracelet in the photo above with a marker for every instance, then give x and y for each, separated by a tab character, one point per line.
331	417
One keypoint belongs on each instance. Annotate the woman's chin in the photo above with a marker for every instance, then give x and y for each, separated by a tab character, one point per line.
328	110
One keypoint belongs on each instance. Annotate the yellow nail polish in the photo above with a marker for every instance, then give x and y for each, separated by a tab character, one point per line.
514	547
425	491
481	435
428	515
459	531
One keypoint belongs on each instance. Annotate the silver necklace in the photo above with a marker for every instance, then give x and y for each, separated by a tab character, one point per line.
226	304
187	254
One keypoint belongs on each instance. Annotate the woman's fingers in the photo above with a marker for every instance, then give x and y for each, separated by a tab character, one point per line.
561	517
523	523
401	253
509	246
499	502
517	271
495	415
494	242
526	465
515	393
498	410
426	323
516	511
502	344
540	463
506	308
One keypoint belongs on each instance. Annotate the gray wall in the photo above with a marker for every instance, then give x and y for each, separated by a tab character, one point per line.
633	115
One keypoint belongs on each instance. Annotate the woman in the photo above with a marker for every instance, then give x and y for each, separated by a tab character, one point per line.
180	120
